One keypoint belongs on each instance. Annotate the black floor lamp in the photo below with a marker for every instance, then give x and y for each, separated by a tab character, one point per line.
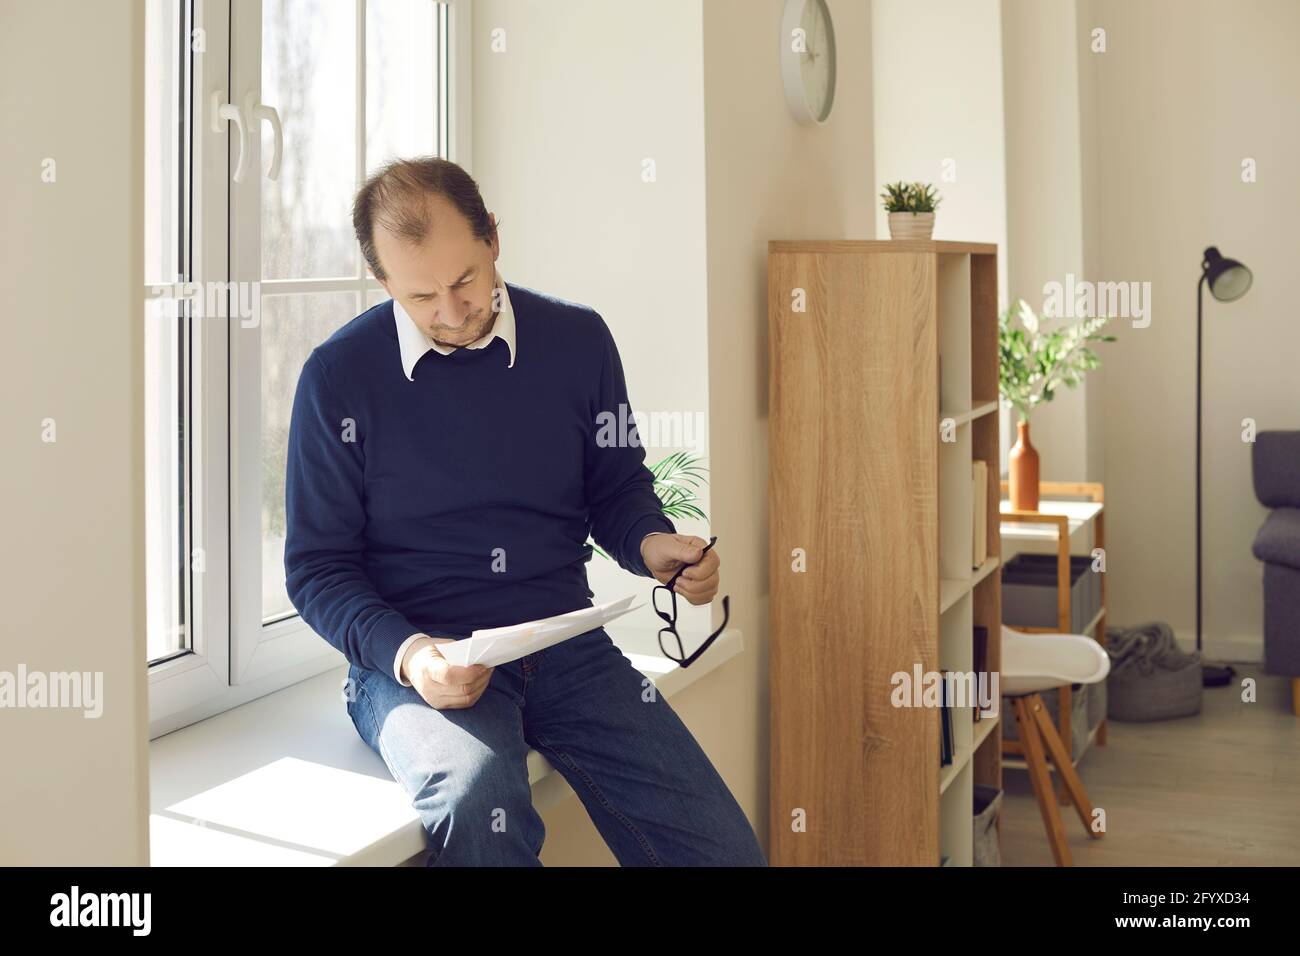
1228	280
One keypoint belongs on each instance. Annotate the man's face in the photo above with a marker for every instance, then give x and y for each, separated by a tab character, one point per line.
446	282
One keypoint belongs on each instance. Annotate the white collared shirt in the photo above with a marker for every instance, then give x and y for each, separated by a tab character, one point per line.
413	344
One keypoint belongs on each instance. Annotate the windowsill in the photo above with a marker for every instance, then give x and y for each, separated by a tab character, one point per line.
285	780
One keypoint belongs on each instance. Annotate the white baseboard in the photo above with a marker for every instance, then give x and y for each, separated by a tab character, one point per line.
1238	649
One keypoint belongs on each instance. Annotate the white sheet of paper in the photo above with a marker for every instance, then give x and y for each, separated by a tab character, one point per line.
500	645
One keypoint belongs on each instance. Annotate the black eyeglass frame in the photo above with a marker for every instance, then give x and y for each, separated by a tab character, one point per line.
680	657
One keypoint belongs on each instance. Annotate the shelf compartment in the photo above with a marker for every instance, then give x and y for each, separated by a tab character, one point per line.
952	589
954	282
955	507
979	410
983	730
956	815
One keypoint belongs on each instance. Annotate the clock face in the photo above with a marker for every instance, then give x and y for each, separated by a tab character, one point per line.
814	63
818	65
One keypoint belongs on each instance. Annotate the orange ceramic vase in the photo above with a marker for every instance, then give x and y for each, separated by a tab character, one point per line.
1023	468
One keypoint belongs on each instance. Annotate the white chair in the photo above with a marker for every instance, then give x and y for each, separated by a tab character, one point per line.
1032	663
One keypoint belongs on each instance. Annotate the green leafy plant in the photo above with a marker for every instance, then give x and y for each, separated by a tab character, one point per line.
1034	361
910	197
924	198
676	480
897	197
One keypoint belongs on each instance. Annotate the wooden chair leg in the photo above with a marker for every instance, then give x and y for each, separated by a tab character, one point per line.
1062	731
1064	767
1040	778
1295	695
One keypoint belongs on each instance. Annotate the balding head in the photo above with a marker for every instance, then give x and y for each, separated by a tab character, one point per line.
430	241
395	198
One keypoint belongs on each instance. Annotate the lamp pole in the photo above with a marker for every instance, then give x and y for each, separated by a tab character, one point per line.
1228	280
1200	288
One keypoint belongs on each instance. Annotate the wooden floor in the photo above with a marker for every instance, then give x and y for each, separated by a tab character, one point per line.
1218	789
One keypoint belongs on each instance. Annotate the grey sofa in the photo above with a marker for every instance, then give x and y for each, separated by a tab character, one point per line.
1275	465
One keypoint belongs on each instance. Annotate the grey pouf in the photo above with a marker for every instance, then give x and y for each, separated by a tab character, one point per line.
1151	678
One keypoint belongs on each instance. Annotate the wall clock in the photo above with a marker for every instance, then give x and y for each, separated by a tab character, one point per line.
808	60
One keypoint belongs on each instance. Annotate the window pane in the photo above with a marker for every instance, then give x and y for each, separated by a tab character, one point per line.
292	325
401	79
163	140
309	76
167	98
164	453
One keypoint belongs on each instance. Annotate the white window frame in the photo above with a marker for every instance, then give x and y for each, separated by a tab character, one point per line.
233	656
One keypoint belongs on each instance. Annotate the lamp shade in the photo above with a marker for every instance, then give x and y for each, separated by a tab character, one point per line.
1228	279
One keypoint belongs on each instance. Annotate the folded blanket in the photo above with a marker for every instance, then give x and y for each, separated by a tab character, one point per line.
1137	651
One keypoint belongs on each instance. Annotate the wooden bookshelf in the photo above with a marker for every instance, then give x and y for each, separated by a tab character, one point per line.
875	506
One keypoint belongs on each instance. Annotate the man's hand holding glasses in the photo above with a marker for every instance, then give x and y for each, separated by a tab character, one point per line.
684	565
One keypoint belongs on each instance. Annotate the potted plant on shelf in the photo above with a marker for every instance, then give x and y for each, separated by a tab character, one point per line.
911	209
1033	363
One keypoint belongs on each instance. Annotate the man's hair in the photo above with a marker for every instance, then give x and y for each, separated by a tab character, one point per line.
396	197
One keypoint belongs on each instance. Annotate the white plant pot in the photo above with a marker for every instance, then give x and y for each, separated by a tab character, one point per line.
911	225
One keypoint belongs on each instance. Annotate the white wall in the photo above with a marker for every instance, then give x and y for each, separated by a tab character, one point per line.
1185	92
1044	173
75	789
937	92
937	95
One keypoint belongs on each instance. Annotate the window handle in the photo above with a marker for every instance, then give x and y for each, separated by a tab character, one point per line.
257	112
222	111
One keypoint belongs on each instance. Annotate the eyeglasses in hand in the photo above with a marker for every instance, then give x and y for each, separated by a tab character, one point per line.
669	614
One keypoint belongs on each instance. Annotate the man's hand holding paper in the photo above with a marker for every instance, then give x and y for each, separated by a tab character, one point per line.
442	684
499	645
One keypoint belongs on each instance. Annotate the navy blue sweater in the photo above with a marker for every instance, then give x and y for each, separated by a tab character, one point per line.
463	499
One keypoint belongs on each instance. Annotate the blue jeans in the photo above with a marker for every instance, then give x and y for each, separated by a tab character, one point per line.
648	787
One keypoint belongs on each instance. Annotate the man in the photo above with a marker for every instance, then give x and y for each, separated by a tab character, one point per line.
444	474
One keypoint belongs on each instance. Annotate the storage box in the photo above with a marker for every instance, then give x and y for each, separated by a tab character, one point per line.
1096	703
1029	592
1085	601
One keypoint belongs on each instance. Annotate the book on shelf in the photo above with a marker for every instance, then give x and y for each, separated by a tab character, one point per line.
980	510
981	658
947	725
945	750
